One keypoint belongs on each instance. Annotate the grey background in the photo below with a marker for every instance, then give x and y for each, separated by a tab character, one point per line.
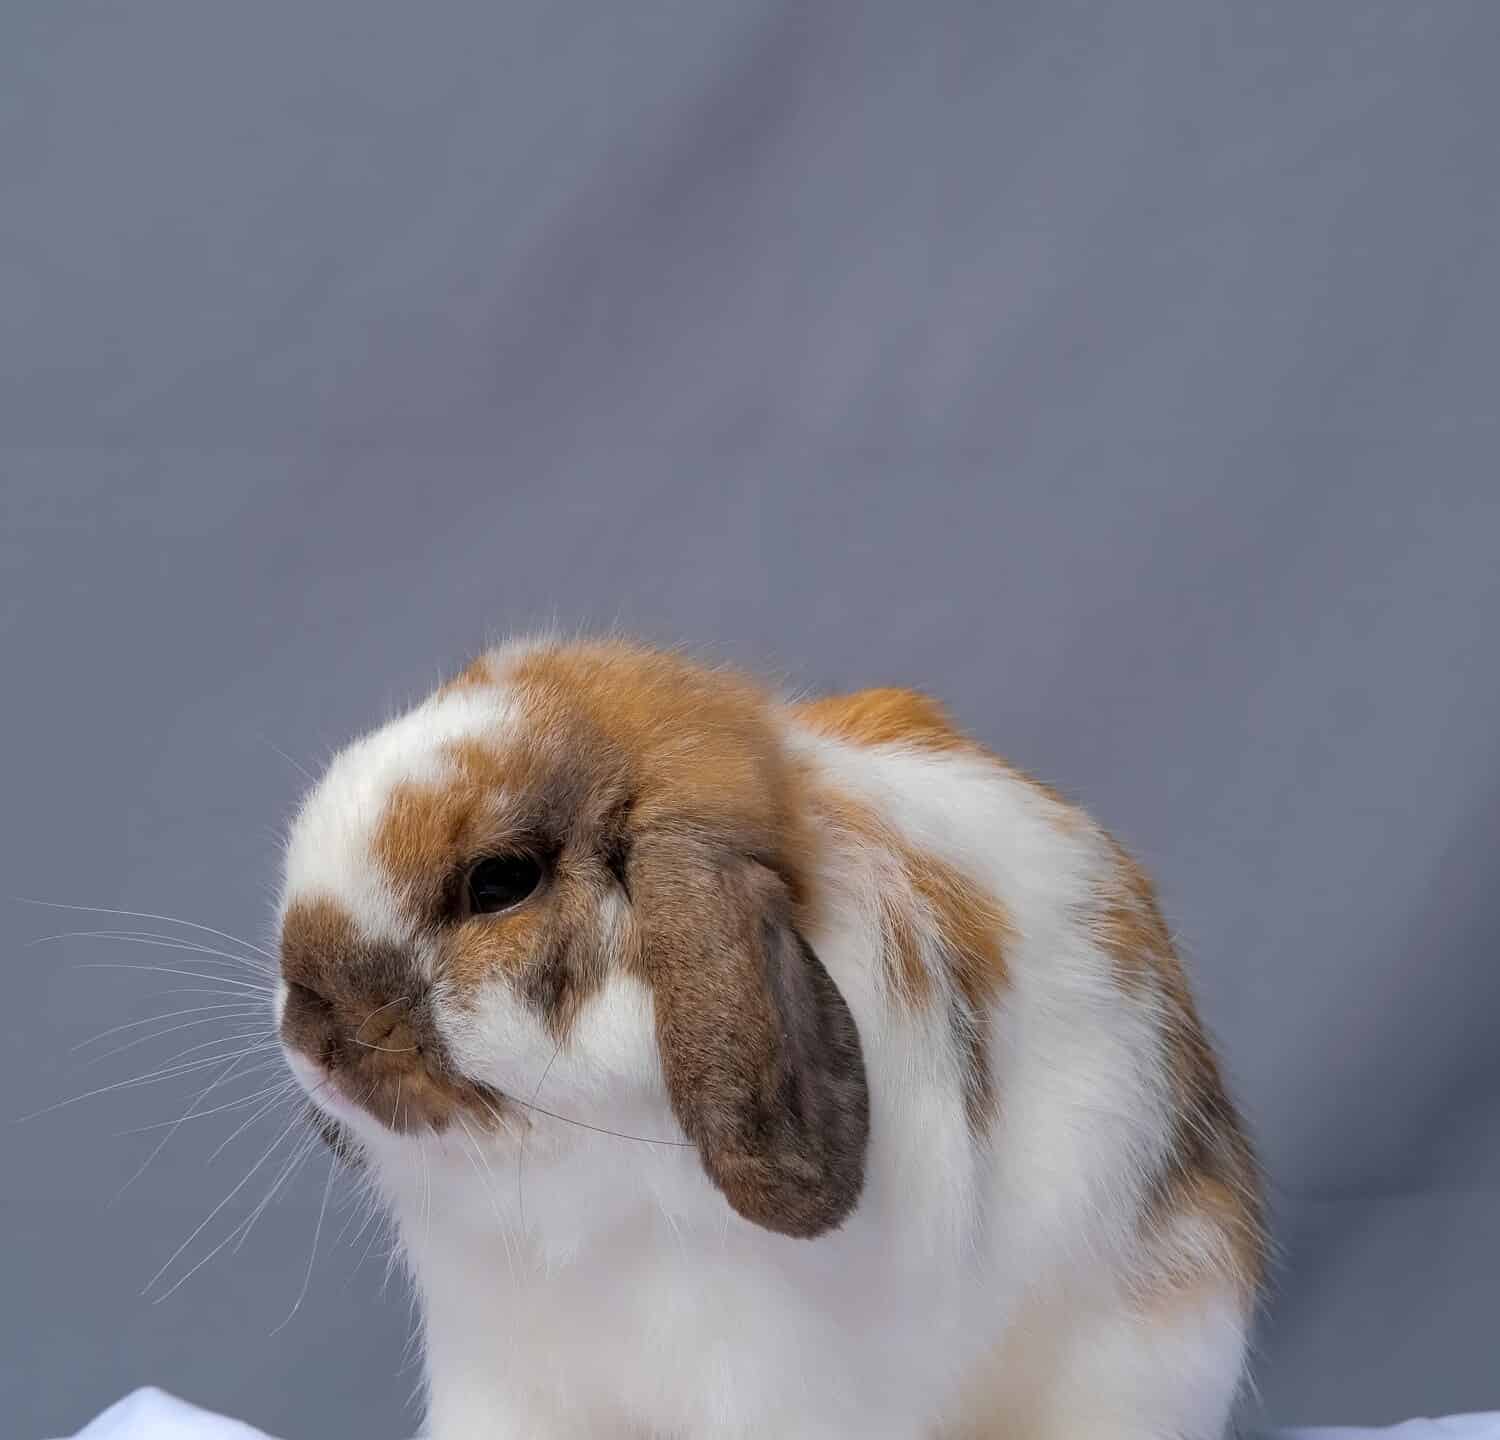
1126	374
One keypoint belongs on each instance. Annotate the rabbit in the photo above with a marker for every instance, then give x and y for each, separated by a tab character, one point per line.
737	1066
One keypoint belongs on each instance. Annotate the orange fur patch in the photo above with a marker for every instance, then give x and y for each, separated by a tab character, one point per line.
474	675
420	829
976	929
1132	930
1210	1172
685	745
884	717
892	716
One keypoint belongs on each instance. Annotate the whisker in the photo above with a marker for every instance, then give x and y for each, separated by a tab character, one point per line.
136	1024
488	1185
161	942
317	1232
584	1125
245	1014
235	1134
190	974
388	1049
300	1152
200	989
204	1223
167	1073
175	1125
147	915
490	1192
239	1104
296	765
521	1148
237	1037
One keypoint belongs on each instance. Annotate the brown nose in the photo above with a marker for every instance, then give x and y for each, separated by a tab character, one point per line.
345	1018
387	1027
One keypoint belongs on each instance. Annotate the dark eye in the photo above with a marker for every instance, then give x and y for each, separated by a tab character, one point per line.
502	882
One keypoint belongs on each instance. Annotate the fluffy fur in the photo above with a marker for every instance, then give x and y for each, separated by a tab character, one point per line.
838	1080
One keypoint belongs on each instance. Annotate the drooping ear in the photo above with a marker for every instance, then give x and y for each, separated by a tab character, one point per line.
761	1055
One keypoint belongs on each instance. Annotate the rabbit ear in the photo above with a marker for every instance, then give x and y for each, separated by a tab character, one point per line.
761	1055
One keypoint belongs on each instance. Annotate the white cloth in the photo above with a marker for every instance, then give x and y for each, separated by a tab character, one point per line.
152	1414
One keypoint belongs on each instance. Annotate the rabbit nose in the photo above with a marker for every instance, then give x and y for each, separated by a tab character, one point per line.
387	1027
333	1023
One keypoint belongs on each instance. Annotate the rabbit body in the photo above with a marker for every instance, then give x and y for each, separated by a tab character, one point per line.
835	1079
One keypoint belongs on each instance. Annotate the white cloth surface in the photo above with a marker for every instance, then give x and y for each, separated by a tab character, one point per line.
152	1414
149	1412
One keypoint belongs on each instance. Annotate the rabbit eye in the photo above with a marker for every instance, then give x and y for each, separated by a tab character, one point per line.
502	882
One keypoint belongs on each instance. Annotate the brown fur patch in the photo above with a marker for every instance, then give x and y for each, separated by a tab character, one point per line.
686	745
905	969
420	832
1210	1169
976	929
358	1008
1133	931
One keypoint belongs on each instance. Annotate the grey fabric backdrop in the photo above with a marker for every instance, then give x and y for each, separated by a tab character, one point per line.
1124	373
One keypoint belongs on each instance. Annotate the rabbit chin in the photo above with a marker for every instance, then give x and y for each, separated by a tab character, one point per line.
320	1089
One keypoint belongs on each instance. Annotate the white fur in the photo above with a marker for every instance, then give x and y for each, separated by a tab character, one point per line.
578	1284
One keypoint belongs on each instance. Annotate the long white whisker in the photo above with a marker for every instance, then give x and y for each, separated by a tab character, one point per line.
489	1185
243	1102
317	1231
161	942
177	1285
154	1019
240	1129
382	1226
234	1037
490	1191
207	1219
175	1125
299	1155
203	989
147	915
154	1077
190	974
245	1014
373	1210
300	1152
